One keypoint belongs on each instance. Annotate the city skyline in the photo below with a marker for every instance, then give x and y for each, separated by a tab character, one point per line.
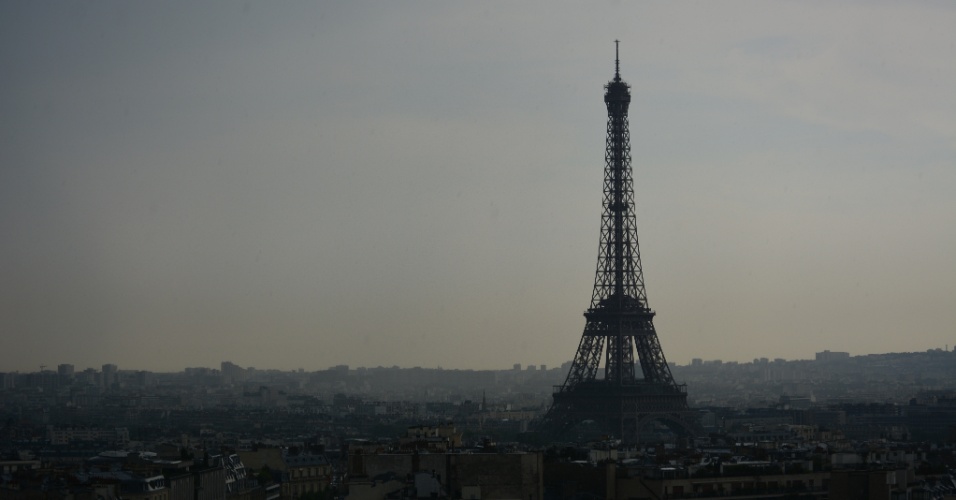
560	369
419	185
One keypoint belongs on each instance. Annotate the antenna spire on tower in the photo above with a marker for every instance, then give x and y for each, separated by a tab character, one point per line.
617	61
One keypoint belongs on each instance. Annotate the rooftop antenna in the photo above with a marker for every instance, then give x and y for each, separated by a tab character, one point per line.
617	61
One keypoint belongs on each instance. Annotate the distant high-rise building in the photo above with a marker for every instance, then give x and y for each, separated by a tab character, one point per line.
232	373
110	375
832	356
7	380
65	373
143	378
90	376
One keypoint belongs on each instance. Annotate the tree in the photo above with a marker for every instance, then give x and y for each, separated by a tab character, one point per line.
266	475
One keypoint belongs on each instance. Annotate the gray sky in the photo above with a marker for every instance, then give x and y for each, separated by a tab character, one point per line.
419	184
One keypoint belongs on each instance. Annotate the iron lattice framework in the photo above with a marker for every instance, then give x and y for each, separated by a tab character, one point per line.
619	316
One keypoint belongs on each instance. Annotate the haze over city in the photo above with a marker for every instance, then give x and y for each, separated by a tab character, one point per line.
419	184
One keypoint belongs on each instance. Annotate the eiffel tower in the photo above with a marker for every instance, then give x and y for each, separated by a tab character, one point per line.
621	403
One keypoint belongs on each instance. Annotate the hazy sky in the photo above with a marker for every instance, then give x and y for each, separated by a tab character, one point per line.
290	185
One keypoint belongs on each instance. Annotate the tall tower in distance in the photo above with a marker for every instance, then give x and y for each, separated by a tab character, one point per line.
630	399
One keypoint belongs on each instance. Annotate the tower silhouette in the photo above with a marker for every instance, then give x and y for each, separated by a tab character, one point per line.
621	403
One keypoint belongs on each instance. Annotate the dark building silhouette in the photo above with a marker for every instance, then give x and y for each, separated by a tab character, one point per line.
630	396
